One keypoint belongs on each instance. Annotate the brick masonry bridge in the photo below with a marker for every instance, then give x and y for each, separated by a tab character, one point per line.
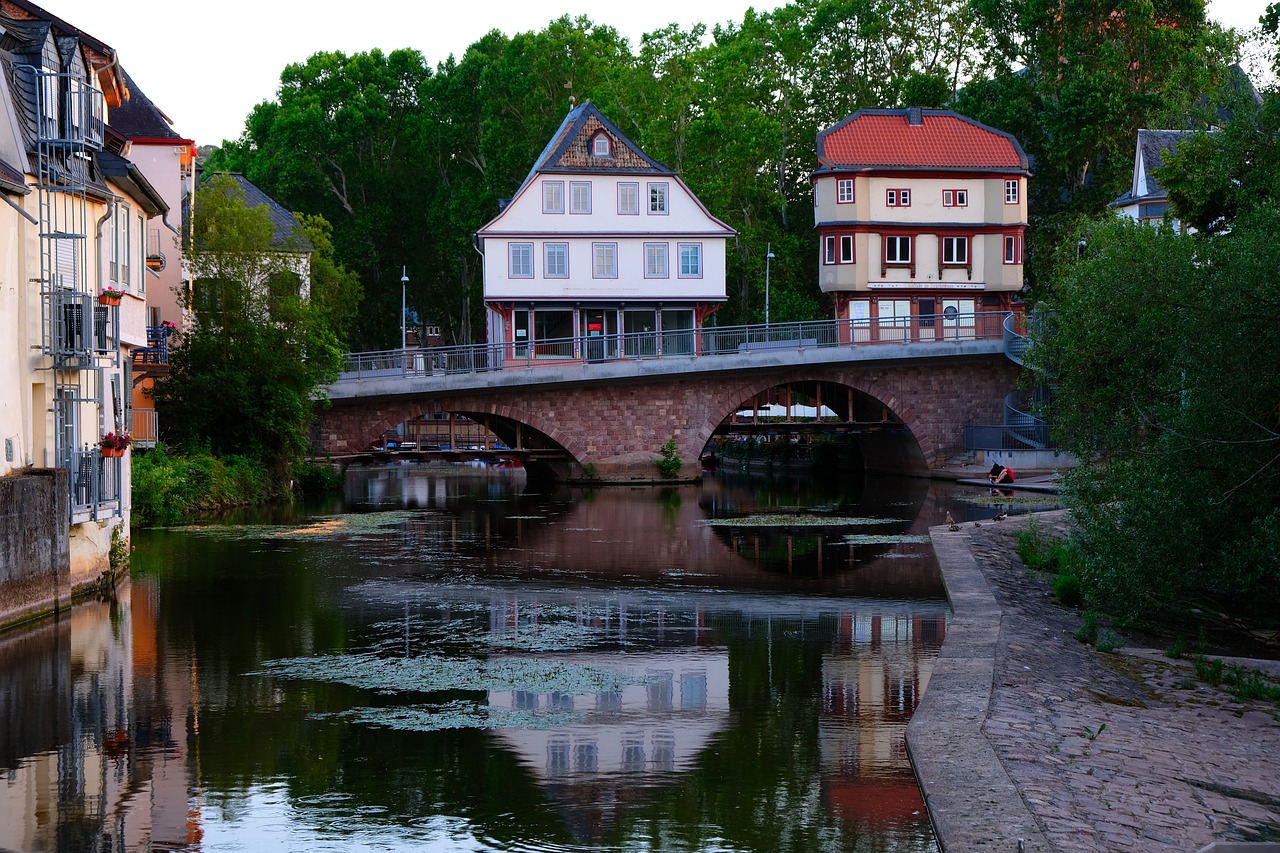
905	401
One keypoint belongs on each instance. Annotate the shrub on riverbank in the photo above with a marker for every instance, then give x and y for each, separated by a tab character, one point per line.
169	488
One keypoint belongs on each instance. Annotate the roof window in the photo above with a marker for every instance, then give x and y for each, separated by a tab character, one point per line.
601	145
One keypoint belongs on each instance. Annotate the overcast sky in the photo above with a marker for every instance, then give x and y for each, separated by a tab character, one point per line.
207	65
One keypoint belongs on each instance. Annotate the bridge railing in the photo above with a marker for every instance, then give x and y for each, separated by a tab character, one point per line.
710	341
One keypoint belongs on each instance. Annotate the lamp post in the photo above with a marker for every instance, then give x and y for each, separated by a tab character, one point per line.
767	257
404	346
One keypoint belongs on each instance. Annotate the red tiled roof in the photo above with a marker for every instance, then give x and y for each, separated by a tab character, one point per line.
943	140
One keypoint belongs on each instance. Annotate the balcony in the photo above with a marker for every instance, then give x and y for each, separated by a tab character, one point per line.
78	328
155	258
95	485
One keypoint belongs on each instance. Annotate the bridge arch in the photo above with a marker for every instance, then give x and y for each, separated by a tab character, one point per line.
619	424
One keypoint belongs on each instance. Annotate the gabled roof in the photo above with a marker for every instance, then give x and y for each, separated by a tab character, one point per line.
139	118
1152	147
288	235
915	138
569	149
12	180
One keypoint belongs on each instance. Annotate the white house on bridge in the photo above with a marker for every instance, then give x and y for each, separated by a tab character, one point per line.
920	215
602	252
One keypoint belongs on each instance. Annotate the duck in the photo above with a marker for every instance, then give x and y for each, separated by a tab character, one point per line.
1001	516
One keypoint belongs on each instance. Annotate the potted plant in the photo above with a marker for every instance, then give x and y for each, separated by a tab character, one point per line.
110	296
115	444
168	327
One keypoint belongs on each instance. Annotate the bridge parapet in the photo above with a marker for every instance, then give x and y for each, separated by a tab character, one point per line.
709	350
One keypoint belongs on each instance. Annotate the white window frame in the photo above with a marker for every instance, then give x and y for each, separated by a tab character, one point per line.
628	191
553	196
604	260
1011	191
899	241
846	248
829	249
897	197
659	198
580	197
549	266
955	198
598	150
519	255
844	190
952	249
655	260
142	254
690	251
1013	248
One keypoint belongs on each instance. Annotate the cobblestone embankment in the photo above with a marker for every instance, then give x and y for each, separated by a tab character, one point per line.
1026	733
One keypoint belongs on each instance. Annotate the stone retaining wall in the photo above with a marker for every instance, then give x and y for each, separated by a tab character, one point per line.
35	556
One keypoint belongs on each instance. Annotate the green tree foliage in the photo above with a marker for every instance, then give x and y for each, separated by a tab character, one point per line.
1075	81
241	380
1166	365
1213	177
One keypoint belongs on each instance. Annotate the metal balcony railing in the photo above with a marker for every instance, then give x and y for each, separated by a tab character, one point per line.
95	484
708	342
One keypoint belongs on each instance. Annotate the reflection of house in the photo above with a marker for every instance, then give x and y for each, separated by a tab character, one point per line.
658	726
1146	200
920	217
601	248
73	226
871	686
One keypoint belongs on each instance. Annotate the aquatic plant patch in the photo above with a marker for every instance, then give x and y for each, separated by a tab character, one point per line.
456	715
797	520
885	539
427	674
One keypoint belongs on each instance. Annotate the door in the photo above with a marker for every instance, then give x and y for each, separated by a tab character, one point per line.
958	319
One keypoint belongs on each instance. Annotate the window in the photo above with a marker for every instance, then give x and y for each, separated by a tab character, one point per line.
600	146
844	191
579	196
142	255
521	265
655	260
955	198
1012	249
846	248
955	250
120	248
553	196
1011	191
897	250
691	260
606	260
898	198
555	260
629	198
658	198
829	250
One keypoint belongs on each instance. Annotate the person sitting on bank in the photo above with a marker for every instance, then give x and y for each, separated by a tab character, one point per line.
1000	474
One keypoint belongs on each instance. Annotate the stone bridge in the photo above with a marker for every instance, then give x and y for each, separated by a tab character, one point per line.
905	404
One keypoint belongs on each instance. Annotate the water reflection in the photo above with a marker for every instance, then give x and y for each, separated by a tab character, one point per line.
489	666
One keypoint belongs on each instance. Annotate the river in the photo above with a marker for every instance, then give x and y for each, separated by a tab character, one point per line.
452	658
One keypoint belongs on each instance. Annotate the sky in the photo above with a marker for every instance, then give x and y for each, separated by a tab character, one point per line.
207	65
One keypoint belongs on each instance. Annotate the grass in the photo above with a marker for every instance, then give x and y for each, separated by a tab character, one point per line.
1241	683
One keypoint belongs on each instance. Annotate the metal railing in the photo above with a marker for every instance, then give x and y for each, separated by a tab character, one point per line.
710	341
146	428
1016	344
95	484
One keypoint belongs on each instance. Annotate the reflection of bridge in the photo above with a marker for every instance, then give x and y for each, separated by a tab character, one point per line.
919	384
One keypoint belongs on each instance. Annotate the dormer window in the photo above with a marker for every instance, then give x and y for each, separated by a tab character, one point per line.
601	146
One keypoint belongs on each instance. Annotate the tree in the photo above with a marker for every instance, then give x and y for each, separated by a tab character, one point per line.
243	379
1165	361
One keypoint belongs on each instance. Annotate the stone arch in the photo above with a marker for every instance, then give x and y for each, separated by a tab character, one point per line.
896	455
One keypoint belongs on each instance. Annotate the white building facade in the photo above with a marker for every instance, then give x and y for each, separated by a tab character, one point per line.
602	253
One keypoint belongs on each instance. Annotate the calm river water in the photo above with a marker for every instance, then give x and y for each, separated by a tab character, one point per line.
454	659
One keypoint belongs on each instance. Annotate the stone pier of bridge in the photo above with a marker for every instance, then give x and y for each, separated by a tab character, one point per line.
618	425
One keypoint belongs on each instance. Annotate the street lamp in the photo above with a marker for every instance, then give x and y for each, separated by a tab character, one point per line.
404	347
768	257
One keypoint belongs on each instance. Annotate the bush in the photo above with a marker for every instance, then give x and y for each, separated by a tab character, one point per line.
312	480
169	488
669	465
1068	590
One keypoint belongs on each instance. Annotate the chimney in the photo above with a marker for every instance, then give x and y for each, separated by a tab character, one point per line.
915	116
